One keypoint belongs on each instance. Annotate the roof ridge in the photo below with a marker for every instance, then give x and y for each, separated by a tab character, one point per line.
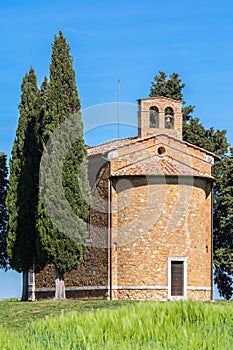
182	141
108	142
136	139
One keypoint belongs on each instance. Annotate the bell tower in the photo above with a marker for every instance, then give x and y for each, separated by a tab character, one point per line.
158	115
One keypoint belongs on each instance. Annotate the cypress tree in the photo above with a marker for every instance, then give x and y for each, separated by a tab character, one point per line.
172	88
62	249
214	141
22	196
62	93
41	107
3	213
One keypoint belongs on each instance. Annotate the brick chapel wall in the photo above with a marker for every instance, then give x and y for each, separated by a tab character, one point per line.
169	218
93	270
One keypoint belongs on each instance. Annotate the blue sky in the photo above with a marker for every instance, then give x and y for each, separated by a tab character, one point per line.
112	40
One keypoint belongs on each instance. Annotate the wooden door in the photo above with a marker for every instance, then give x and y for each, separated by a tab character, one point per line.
177	278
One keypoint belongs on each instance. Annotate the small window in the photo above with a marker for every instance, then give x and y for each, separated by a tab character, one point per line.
177	278
169	118
161	151
154	117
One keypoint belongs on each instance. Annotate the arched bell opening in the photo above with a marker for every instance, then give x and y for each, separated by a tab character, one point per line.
154	117
169	118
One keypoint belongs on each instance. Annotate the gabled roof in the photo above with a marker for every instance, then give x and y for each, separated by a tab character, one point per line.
117	144
128	157
164	166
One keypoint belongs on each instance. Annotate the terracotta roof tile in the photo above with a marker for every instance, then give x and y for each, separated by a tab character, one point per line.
159	166
115	144
109	146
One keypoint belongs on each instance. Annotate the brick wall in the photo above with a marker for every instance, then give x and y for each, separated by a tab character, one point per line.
156	222
93	269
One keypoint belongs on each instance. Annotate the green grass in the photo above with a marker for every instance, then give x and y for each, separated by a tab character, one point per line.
16	315
119	325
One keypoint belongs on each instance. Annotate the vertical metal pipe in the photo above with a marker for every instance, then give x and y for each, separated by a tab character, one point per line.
110	242
118	111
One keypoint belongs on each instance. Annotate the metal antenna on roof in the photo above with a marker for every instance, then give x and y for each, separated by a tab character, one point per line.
118	110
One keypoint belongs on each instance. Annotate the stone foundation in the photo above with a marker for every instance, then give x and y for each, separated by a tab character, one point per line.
199	295
158	294
99	294
138	294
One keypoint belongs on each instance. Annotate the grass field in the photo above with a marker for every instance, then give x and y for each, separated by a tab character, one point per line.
116	325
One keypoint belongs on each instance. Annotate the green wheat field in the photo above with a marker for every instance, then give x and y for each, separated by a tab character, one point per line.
110	325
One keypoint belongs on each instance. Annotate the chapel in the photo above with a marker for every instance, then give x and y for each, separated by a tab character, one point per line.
150	224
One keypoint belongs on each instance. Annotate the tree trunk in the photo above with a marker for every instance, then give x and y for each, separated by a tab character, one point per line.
31	285
25	286
60	292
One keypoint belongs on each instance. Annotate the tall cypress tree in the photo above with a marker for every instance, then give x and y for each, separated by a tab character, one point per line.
22	196
3	213
214	141
62	249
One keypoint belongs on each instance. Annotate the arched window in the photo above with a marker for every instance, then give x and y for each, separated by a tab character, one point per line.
154	117
169	118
